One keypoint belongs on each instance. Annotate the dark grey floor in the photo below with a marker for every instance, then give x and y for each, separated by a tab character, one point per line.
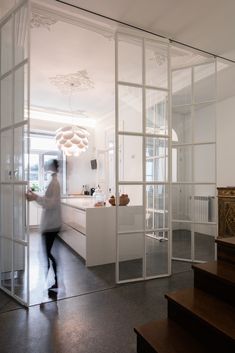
99	322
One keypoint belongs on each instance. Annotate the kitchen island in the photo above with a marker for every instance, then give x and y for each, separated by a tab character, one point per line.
91	231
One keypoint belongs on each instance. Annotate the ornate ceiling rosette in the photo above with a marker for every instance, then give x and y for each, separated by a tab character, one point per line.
73	82
41	21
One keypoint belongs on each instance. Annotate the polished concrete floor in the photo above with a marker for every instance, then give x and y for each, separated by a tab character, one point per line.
89	313
98	322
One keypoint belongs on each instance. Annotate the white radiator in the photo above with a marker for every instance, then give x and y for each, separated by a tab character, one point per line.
203	208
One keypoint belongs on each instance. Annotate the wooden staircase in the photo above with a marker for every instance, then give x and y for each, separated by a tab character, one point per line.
200	319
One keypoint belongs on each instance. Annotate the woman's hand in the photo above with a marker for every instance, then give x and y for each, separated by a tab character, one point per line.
31	196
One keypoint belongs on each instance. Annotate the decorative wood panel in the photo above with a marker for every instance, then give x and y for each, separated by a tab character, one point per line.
226	211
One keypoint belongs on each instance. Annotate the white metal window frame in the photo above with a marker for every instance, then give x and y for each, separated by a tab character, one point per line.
25	123
191	144
143	183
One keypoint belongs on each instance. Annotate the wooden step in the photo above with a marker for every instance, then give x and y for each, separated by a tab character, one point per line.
216	278
211	320
226	249
166	336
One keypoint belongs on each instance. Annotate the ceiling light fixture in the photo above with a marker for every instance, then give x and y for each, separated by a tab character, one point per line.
72	140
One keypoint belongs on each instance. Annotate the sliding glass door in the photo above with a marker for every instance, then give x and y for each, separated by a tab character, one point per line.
142	161
14	117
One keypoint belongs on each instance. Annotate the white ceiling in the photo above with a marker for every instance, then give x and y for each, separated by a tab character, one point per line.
65	48
204	24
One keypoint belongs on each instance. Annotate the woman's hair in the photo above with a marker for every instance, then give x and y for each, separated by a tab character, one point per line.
53	165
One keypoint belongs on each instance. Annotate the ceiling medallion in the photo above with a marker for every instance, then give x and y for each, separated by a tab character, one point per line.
38	21
75	82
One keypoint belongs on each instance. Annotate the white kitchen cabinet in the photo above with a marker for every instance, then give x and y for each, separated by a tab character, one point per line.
35	212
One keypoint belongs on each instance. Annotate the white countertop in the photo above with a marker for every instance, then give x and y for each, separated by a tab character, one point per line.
80	202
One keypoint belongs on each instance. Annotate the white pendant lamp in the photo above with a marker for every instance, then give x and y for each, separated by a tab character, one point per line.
72	140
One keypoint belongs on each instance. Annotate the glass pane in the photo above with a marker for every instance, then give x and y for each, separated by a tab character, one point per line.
157	206
21	35
129	59
205	203
204	123
6	46
204	83
130	256
156	159
6	156
20	154
21	95
156	64
182	164
130	109
204	238
157	254
19	212
156	112
204	163
181	125
182	202
6	101
182	87
131	216
130	158
6	263
34	172
181	240
6	211
20	271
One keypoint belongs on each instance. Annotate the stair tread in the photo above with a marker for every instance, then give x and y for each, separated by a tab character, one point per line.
224	271
214	312
228	241
166	336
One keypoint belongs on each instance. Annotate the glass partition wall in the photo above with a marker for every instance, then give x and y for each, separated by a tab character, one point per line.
142	161
165	154
14	153
193	155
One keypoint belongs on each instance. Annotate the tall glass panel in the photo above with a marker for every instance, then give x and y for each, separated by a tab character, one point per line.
181	125
181	240
21	94
20	283
204	123
157	207
142	158
14	152
130	108
156	253
6	46
204	163
193	151
6	156
182	87
129	70
6	101
156	112
6	263
6	211
156	159
131	255
204	238
204	83
130	152
21	35
156	63
19	213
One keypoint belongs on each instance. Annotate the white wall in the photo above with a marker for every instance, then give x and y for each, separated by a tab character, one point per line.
79	170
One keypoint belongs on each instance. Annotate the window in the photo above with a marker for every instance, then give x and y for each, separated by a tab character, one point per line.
43	149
